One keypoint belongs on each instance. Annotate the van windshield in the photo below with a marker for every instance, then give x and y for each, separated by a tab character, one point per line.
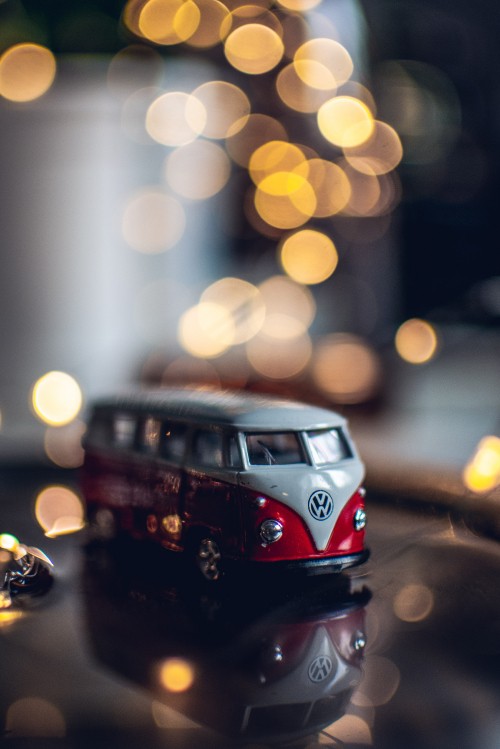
328	446
274	448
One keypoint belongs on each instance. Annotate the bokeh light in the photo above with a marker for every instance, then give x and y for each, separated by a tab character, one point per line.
345	121
36	718
56	398
299	6
308	256
413	603
213	19
153	221
295	29
296	94
346	369
59	511
254	219
131	15
381	679
8	618
257	130
276	157
63	445
176	675
350	730
416	341
381	153
284	297
243	301
175	118
482	473
206	330
8	542
279	358
226	107
254	48
324	64
286	202
169	21
331	186
27	71
198	170
371	195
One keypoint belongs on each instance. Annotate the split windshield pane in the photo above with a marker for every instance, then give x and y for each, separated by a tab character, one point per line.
275	448
328	446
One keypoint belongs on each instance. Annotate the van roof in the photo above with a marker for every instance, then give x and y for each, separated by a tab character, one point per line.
239	409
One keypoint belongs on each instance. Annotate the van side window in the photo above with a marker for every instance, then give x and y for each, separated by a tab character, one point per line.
100	430
149	436
208	448
124	430
173	441
233	452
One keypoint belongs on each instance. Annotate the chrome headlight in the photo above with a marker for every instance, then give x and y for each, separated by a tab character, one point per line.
270	531
359	520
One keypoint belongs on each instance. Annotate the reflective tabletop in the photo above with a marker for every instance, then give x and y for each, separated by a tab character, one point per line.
127	649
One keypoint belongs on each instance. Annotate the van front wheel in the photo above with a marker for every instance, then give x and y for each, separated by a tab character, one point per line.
209	559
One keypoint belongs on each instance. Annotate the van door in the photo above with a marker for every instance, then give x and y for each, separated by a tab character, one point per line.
166	485
211	494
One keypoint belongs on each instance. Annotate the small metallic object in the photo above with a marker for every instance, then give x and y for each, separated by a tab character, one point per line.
359	520
23	569
260	501
270	531
359	641
277	654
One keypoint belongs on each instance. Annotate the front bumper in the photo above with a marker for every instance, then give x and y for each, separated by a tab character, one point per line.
316	566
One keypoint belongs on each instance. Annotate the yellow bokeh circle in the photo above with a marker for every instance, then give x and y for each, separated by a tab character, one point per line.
416	341
345	121
27	71
254	48
308	256
56	398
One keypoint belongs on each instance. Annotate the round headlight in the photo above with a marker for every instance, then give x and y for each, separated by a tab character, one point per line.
359	520
270	531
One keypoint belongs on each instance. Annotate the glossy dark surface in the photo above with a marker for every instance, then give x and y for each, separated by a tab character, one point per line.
269	661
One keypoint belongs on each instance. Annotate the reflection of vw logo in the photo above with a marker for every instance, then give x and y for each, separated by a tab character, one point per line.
320	668
320	505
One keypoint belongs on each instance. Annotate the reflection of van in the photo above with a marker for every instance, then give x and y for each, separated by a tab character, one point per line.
266	664
227	476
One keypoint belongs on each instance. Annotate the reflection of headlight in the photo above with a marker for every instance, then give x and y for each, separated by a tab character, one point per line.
358	641
359	520
270	531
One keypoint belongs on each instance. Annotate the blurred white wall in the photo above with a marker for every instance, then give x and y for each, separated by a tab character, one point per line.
70	286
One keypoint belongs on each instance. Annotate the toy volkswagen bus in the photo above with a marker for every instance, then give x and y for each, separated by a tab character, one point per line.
227	477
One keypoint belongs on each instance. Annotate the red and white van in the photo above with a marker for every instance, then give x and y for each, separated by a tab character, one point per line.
227	476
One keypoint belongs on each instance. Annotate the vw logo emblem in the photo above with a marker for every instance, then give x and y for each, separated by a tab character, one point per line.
320	669
320	505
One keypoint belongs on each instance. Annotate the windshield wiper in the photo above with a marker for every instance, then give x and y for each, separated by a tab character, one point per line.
267	452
